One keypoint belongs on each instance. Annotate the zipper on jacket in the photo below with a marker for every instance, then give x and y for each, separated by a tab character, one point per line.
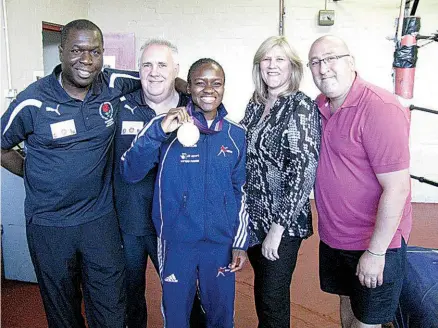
205	181
227	218
185	200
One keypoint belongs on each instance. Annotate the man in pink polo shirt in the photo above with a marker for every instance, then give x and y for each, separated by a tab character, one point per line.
362	188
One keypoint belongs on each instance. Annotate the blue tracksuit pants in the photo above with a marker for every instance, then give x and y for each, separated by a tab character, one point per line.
183	266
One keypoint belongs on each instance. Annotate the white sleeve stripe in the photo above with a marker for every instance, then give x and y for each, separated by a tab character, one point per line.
240	241
20	106
160	202
234	143
147	126
242	232
244	228
114	76
141	133
235	124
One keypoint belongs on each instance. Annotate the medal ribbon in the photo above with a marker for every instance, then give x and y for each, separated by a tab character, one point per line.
215	128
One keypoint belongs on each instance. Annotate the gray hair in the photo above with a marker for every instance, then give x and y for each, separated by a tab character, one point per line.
160	42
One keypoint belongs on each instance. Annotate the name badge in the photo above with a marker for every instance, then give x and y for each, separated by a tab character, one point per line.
131	127
63	129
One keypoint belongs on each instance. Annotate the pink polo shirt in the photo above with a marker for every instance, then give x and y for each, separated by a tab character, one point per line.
367	135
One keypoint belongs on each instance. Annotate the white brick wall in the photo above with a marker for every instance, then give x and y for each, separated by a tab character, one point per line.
231	30
25	19
365	27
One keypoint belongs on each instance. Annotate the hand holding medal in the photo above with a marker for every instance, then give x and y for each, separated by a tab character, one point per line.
174	119
188	134
178	118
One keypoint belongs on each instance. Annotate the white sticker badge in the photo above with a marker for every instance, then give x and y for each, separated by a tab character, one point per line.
63	129
131	127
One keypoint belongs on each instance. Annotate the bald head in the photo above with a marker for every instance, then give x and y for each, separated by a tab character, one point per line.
331	43
332	67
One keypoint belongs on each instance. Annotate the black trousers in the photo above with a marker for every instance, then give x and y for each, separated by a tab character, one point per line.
88	256
137	249
272	281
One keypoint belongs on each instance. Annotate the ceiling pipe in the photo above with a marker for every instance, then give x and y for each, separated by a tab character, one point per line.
400	21
8	58
281	23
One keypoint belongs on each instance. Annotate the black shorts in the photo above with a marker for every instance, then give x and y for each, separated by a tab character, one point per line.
337	275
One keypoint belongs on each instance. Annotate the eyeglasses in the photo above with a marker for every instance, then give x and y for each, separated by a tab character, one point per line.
329	60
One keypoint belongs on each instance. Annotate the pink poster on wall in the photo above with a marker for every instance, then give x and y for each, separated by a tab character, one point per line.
119	51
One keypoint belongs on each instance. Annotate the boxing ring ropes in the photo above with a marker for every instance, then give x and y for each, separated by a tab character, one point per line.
418	306
405	58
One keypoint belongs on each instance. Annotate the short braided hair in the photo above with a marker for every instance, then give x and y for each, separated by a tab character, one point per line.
200	62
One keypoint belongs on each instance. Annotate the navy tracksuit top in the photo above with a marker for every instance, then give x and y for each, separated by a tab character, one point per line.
198	192
68	164
133	201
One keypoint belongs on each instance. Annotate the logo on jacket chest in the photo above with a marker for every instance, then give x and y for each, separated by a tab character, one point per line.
224	151
189	158
54	110
106	111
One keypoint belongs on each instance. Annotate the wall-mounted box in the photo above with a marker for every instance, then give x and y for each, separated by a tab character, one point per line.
326	17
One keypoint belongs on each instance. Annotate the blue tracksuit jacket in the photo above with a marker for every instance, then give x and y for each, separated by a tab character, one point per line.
198	190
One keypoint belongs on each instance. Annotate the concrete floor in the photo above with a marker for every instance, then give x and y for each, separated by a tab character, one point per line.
22	308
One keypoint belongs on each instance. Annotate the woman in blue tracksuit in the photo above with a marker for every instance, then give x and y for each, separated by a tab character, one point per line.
198	208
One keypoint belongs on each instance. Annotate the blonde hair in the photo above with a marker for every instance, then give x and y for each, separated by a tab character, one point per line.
260	95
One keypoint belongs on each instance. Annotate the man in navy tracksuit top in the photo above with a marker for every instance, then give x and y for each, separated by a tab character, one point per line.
198	208
158	69
67	123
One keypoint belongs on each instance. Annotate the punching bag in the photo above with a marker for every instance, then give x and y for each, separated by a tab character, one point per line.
405	58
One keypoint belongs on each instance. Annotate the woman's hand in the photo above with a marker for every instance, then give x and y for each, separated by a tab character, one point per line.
272	242
239	258
174	119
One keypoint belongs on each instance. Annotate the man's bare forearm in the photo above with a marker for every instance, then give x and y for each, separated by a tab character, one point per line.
389	212
12	161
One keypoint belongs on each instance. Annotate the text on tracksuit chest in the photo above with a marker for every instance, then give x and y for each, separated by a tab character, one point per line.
61	121
194	155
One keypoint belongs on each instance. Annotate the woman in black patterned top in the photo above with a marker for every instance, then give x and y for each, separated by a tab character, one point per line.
283	139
